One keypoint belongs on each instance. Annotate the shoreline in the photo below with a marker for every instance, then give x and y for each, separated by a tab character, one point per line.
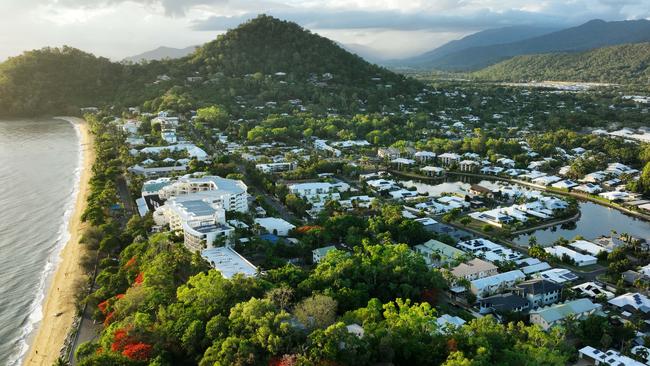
59	308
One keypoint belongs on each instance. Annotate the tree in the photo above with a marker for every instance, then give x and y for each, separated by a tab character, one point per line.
213	116
317	311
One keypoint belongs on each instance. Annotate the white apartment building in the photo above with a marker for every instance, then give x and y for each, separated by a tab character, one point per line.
200	220
229	194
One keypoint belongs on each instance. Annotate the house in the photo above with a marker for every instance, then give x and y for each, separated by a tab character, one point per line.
317	190
589	188
486	286
592	290
474	269
448	159
479	190
632	302
320	253
401	162
275	167
438	254
557	275
553	315
468	166
539	292
388	153
447	322
564	184
424	156
611	357
503	303
275	225
433	171
615	196
589	247
578	259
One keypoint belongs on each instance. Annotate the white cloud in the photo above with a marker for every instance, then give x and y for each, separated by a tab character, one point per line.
118	28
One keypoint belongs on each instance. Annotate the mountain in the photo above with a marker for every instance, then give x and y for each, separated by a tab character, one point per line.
53	80
625	64
162	53
593	34
261	60
484	38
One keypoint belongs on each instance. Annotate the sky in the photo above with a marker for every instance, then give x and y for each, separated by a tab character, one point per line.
390	28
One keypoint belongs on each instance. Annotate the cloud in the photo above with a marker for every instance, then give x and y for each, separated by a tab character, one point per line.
393	20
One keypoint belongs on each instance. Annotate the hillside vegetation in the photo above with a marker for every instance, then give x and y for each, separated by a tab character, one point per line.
626	64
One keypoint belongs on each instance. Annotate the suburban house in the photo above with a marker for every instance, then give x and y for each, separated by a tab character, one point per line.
474	269
555	314
486	286
539	292
579	259
438	254
503	303
320	253
611	357
448	159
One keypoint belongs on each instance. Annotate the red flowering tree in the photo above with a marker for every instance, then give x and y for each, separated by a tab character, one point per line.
138	351
139	278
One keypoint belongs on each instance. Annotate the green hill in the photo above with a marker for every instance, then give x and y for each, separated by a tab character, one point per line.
53	80
625	64
264	59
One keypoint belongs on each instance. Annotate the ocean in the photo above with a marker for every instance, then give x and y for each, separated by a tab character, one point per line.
40	164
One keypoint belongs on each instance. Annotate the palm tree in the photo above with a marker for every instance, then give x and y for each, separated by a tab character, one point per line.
61	362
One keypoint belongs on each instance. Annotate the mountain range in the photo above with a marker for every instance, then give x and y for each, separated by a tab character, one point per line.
162	53
490	47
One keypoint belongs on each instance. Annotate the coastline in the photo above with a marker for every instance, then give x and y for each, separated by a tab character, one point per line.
59	308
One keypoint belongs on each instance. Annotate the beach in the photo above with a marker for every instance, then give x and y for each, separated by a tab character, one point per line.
59	307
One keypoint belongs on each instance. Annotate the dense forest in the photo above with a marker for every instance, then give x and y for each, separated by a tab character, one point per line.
262	60
626	64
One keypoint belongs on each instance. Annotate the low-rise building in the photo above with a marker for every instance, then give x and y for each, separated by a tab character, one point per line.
474	269
438	254
486	286
539	292
320	253
274	225
230	263
611	357
578	259
553	315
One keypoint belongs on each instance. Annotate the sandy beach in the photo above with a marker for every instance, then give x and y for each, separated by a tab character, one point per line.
59	306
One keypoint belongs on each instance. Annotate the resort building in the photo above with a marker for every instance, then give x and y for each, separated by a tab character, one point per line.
539	292
230	194
200	220
448	159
